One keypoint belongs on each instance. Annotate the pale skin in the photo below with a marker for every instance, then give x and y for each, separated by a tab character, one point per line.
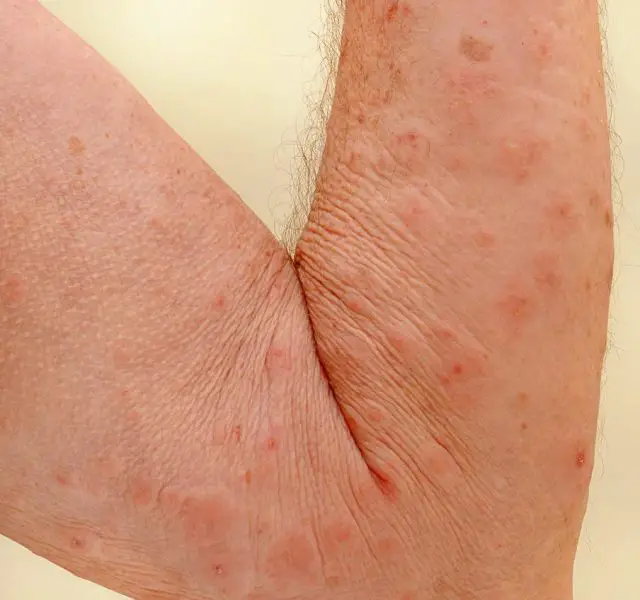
407	410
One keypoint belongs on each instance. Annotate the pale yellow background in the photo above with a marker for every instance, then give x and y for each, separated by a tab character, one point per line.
232	77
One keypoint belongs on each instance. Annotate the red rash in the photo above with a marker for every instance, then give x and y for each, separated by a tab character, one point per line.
396	9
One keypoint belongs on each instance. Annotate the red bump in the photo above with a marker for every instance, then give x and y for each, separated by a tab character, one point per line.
392	11
236	434
12	291
63	478
272	444
581	459
140	492
219	301
376	415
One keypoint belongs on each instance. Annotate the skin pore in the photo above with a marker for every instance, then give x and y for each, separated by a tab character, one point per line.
405	411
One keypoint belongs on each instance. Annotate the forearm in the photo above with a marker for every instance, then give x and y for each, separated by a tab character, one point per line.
463	215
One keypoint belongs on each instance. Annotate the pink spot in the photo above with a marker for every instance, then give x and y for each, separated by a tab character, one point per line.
63	478
12	292
484	239
278	359
445	335
392	11
457	369
292	558
376	415
236	434
121	358
206	519
516	306
140	492
388	546
219	302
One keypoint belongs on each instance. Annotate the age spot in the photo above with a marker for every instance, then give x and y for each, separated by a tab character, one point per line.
476	50
76	146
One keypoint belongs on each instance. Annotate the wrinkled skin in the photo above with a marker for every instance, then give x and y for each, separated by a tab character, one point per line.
405	411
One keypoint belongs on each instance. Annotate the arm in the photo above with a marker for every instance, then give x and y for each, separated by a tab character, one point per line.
136	294
457	268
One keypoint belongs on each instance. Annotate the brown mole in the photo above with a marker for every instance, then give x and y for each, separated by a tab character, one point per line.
476	50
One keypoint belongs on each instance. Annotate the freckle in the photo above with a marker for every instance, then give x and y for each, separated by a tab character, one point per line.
79	171
333	582
178	171
76	147
361	119
608	219
588	285
594	200
272	444
522	397
524	426
107	135
248	477
474	49
484	22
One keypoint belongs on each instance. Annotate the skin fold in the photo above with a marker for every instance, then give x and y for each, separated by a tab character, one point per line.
406	410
